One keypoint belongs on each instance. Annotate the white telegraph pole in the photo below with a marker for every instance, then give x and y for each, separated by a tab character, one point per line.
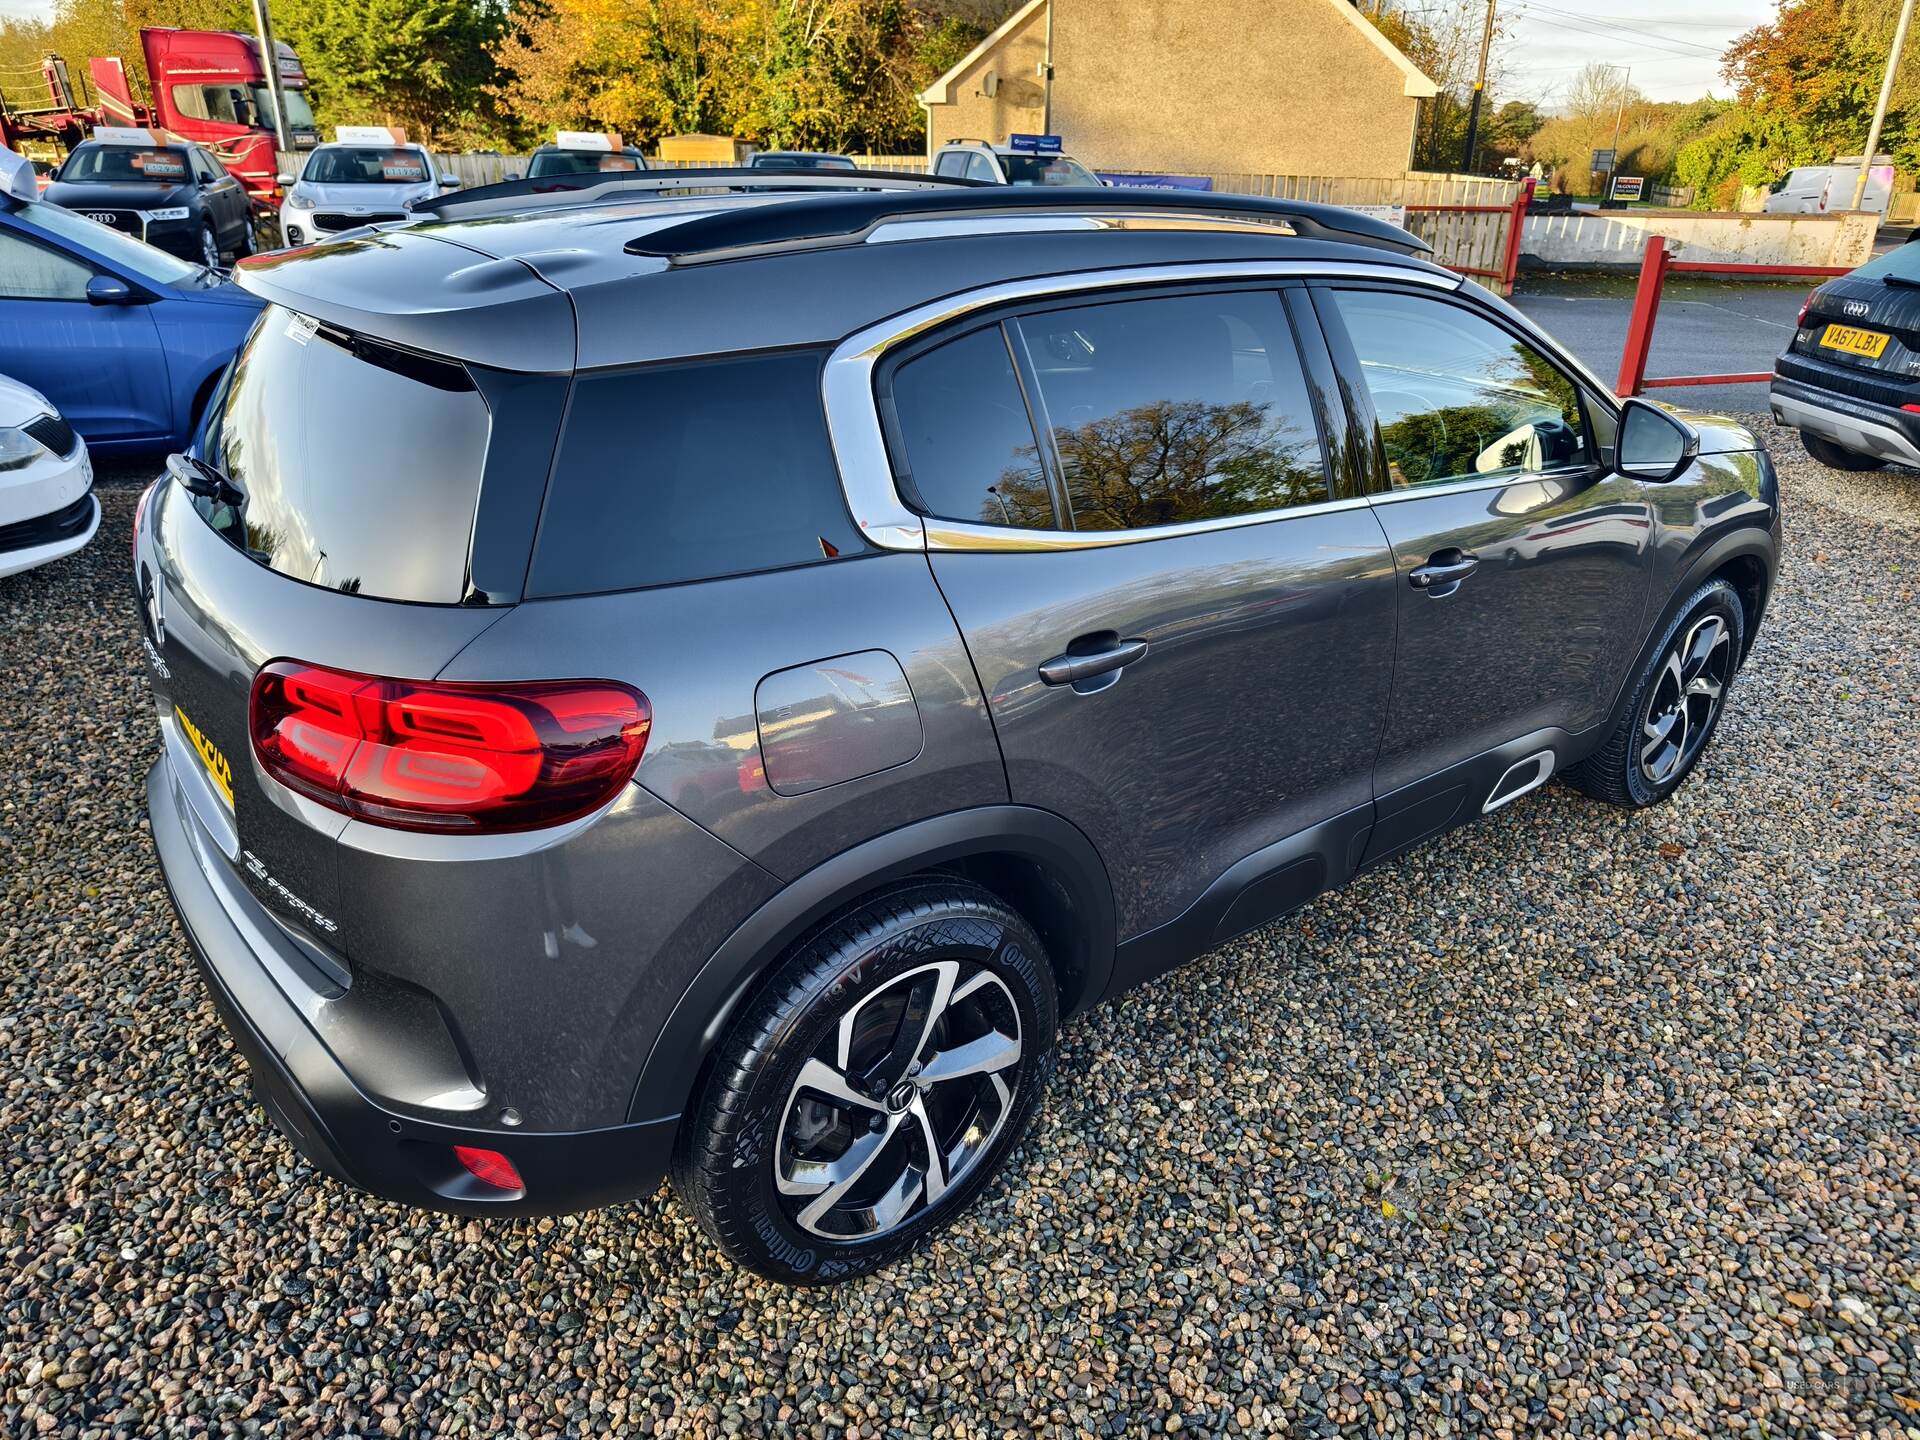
1880	110
270	62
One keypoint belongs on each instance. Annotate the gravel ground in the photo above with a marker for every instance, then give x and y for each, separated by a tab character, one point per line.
1572	1124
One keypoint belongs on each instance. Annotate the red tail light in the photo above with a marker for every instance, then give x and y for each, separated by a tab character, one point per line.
489	1167
1805	305
423	755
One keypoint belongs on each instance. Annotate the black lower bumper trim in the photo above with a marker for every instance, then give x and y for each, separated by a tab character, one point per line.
66	523
344	1133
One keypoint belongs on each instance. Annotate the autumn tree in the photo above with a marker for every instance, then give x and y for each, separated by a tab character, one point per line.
1442	38
838	74
1819	64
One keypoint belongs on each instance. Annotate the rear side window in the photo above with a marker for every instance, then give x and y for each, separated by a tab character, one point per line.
1175	409
360	463
963	425
687	472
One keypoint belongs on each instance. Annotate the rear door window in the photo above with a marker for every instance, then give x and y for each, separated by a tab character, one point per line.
361	464
1175	408
688	472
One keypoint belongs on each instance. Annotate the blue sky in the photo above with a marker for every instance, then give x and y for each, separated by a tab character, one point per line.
1672	46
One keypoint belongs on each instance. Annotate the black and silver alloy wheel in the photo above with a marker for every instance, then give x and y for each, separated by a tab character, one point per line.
872	1086
209	248
910	1090
1685	698
1674	705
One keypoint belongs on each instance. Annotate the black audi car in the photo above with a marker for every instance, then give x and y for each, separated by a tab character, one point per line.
175	196
1850	380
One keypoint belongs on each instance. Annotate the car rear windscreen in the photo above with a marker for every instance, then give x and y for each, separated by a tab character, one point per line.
580	162
692	471
1901	265
360	464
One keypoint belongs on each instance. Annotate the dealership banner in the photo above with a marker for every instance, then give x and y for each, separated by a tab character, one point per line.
1158	182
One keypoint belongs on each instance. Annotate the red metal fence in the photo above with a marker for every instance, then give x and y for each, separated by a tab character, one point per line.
1655	266
1490	251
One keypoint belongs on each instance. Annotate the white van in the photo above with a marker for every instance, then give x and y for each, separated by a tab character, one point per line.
1816	189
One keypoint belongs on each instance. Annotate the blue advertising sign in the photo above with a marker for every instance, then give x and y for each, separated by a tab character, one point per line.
1157	182
1035	144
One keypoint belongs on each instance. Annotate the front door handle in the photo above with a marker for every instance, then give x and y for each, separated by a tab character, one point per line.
1074	667
1443	572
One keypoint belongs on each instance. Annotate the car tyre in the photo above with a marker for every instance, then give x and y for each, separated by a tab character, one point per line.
1676	704
1840	458
209	247
921	1022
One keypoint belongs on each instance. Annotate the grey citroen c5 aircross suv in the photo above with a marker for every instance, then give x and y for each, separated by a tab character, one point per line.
700	677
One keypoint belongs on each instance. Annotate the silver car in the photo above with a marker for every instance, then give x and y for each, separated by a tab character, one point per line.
345	186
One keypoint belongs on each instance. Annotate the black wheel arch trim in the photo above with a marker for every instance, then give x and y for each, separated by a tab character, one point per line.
1746	542
710	1002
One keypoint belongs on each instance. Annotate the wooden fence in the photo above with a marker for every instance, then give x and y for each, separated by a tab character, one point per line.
1467	219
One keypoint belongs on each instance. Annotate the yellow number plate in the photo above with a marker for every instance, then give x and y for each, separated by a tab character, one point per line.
1855	342
218	770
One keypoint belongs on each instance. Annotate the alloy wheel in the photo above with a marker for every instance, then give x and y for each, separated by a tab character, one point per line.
900	1101
209	250
1686	696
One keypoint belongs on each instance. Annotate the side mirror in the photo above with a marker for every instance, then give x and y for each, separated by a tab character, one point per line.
513	175
1653	445
110	290
283	179
449	182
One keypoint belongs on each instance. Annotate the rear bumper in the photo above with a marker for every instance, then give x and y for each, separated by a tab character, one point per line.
1866	427
329	1119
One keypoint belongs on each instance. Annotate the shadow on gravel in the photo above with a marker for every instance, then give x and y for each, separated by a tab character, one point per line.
1574	1124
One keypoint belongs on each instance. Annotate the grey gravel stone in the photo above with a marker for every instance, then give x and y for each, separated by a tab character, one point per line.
1575	1123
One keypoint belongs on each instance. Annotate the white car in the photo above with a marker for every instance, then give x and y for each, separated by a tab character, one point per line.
1010	165
47	508
346	185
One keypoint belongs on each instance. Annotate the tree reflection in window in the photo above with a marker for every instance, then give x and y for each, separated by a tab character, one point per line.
1457	397
1172	461
1175	409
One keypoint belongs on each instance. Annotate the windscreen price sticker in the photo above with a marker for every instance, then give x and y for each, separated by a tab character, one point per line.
302	328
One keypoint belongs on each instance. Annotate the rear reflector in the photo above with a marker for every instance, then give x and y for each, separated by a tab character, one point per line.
425	755
489	1167
1911	409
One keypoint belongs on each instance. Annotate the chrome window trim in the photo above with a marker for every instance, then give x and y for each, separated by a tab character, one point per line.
1483	482
1017	223
860	447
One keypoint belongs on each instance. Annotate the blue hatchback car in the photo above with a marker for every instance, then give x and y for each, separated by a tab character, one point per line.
128	341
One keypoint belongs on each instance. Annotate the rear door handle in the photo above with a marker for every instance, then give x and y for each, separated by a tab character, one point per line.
1072	668
1443	572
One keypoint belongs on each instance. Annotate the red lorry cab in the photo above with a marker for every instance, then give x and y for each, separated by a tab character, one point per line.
209	86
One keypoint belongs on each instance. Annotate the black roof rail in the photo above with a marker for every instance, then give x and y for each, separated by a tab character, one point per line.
598	187
844	218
